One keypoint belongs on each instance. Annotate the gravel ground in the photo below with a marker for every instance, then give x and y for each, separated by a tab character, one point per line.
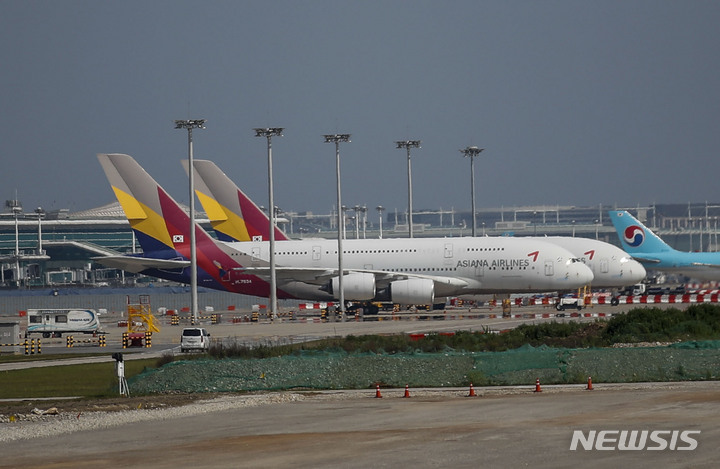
34	419
51	418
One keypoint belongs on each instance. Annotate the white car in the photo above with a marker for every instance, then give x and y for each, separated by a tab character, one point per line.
194	338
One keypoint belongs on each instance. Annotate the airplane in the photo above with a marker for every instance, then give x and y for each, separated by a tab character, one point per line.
233	216
648	248
404	271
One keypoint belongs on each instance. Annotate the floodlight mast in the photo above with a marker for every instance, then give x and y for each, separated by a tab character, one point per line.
472	152
269	133
337	139
191	124
408	144
380	209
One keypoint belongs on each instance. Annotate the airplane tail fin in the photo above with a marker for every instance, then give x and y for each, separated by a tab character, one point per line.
232	214
162	227
635	237
160	224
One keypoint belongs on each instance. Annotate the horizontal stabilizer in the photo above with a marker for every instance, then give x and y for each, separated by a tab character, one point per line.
140	264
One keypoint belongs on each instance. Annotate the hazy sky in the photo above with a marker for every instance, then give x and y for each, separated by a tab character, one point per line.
575	102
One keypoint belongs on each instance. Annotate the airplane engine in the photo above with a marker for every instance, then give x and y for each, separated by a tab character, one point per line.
414	291
357	286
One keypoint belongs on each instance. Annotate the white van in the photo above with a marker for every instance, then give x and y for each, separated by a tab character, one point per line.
194	338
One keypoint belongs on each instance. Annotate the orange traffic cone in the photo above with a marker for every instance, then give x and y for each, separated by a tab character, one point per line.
472	391
589	387
377	391
537	385
407	391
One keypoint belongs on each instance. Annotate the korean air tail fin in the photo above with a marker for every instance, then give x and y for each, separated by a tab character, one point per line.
635	238
232	214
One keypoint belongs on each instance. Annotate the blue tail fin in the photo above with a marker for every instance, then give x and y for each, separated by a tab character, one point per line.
635	237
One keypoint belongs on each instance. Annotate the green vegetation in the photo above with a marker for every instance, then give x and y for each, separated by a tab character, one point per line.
89	380
698	322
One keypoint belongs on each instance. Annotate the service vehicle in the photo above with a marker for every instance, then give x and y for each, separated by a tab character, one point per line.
56	322
194	338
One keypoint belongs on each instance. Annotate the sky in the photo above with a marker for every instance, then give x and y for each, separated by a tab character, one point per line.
574	102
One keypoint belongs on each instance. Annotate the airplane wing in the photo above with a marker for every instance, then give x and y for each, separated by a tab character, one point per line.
702	264
140	264
646	260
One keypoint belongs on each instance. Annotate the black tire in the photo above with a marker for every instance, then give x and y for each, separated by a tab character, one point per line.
614	301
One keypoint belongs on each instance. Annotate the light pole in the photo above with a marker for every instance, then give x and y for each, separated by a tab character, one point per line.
40	212
363	209
408	144
16	209
356	209
472	152
337	139
344	215
191	124
269	133
380	209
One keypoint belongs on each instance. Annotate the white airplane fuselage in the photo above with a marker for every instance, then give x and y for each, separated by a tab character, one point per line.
437	267
611	266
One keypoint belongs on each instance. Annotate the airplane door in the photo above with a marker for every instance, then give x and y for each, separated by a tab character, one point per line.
448	254
256	255
604	266
316	251
549	268
479	270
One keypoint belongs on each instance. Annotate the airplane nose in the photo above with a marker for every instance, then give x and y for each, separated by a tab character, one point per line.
635	271
583	274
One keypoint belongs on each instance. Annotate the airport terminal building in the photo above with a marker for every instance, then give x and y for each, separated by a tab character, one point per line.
56	248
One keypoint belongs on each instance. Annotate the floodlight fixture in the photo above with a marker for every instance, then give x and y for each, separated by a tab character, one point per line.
408	143
337	138
190	124
269	132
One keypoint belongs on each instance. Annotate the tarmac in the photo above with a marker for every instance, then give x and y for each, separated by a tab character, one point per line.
433	428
